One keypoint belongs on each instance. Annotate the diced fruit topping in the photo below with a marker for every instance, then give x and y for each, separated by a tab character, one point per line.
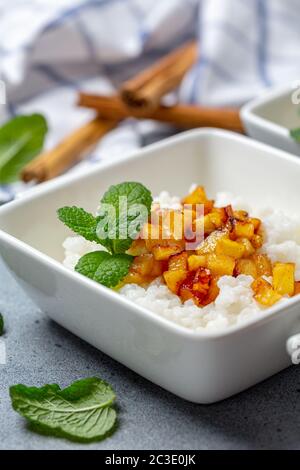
144	269
264	293
137	248
240	215
164	252
209	245
263	265
134	278
257	241
230	248
244	229
248	247
143	264
220	265
196	286
246	267
222	241
178	262
284	278
198	196
174	279
255	222
197	261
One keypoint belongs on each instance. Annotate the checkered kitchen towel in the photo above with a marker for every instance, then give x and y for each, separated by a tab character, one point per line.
50	49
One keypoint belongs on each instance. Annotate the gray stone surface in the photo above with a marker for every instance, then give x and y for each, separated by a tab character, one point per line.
39	352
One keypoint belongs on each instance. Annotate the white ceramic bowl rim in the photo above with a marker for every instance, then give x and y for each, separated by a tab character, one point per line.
249	110
59	182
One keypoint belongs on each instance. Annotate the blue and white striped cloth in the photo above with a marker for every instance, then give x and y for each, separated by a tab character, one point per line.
50	49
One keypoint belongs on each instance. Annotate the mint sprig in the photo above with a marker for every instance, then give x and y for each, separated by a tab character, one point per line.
80	221
104	268
129	222
295	134
82	412
110	268
21	139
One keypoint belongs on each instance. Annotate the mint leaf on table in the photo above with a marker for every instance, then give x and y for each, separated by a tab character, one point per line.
131	220
104	268
1	325
82	412
80	221
295	134
21	139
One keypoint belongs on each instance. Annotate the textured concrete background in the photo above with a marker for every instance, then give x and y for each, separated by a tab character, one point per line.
39	352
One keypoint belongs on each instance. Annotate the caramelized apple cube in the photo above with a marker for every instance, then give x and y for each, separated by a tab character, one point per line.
186	294
158	268
264	293
142	264
208	205
198	196
263	265
230	248
248	247
246	267
172	223
196	261
243	230
220	265
134	278
137	248
255	222
196	286
201	282
164	252
178	262
174	279
213	292
210	243
284	278
152	235
240	215
217	219
208	224
257	241
221	212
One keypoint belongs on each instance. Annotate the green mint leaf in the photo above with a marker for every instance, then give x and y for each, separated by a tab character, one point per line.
21	139
295	134
129	222
80	221
104	268
1	325
117	227
83	223
82	412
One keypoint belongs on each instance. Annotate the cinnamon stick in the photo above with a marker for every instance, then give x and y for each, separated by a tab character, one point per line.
185	116
145	90
69	151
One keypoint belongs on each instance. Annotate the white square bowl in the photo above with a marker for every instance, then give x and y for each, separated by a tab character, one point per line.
270	118
200	367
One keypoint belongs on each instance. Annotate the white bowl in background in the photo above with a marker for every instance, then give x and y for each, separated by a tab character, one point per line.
201	367
270	118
